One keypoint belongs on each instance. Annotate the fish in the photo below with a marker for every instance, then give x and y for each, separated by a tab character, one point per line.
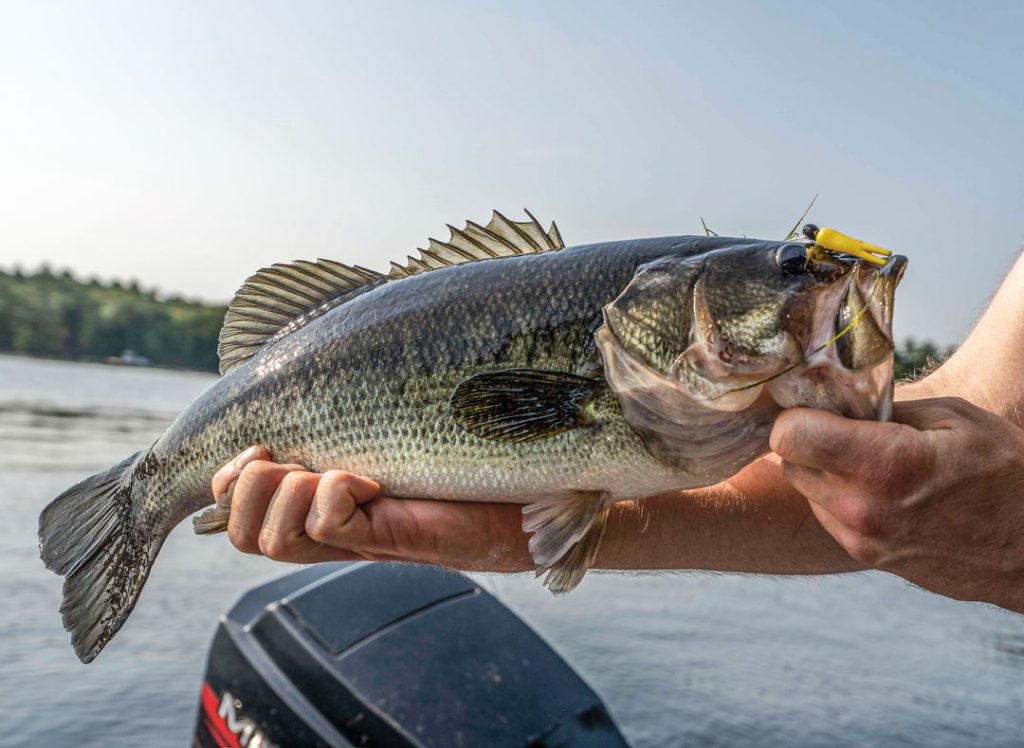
499	365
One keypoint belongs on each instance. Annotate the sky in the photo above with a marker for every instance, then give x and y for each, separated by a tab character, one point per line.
186	144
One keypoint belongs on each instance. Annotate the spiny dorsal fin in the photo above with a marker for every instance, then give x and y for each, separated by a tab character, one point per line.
499	238
283	298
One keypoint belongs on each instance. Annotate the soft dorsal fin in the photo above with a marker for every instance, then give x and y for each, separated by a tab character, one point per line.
283	298
499	238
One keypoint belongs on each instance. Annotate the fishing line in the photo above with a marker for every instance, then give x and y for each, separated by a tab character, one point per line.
819	349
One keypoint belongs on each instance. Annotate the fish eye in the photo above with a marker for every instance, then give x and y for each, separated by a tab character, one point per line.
792	258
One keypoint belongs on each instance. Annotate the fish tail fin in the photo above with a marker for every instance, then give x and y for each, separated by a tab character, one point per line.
88	535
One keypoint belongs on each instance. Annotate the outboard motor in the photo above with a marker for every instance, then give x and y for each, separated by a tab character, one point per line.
372	654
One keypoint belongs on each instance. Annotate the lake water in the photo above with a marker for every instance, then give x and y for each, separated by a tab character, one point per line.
680	659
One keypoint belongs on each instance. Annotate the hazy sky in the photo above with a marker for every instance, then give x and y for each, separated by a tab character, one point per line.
186	144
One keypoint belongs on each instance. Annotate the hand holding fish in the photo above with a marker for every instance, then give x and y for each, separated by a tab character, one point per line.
753	522
290	514
936	497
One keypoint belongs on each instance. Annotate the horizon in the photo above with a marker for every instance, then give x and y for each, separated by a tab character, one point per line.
184	146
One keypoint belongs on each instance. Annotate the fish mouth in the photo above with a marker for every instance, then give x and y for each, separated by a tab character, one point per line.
848	357
862	324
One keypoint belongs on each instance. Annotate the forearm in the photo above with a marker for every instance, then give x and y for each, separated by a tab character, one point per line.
755	522
988	369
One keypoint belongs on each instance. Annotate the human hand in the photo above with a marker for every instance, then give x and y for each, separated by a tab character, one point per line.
288	513
936	497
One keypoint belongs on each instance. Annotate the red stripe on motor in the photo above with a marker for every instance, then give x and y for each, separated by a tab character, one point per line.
220	732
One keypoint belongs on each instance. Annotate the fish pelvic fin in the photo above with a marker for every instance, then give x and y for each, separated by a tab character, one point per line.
88	535
567	533
215	519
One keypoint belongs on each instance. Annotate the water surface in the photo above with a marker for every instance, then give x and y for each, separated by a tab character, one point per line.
680	659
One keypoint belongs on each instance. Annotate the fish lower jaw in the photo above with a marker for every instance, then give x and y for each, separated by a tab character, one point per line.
824	383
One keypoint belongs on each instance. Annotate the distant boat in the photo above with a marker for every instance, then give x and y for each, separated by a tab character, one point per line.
129	357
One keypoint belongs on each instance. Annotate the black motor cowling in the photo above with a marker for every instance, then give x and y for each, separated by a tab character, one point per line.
371	654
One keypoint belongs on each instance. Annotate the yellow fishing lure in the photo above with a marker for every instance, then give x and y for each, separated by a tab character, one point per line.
830	240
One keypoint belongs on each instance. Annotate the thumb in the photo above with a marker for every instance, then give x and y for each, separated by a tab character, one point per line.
825	441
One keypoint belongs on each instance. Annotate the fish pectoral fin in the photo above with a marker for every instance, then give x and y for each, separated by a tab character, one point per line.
567	533
522	405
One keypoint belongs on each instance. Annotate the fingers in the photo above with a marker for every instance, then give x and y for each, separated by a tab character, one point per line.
334	518
825	441
463	535
229	473
282	536
843	509
252	493
290	514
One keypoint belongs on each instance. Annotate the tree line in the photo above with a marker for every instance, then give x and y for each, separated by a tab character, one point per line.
55	315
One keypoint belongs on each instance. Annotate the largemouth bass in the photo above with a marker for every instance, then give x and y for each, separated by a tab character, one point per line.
496	366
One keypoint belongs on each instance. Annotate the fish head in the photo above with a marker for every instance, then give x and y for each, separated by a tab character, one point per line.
764	319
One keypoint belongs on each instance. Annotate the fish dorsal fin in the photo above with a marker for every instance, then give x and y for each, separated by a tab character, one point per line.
278	300
499	238
283	298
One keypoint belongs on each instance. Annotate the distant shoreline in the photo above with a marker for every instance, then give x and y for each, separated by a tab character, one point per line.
101	362
50	314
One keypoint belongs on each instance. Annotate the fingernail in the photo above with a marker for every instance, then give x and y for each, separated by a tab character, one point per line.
246	457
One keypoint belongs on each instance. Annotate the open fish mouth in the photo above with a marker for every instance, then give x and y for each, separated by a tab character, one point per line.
848	358
862	327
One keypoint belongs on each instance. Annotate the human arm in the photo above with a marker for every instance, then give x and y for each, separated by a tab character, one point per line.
988	367
936	497
754	522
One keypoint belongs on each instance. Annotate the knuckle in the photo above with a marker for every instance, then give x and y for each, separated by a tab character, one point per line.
330	512
323	521
957	404
274	545
896	467
863	520
243	540
295	480
341	476
861	549
319	526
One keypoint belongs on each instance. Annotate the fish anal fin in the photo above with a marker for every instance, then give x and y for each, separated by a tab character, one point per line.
521	405
566	533
566	573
